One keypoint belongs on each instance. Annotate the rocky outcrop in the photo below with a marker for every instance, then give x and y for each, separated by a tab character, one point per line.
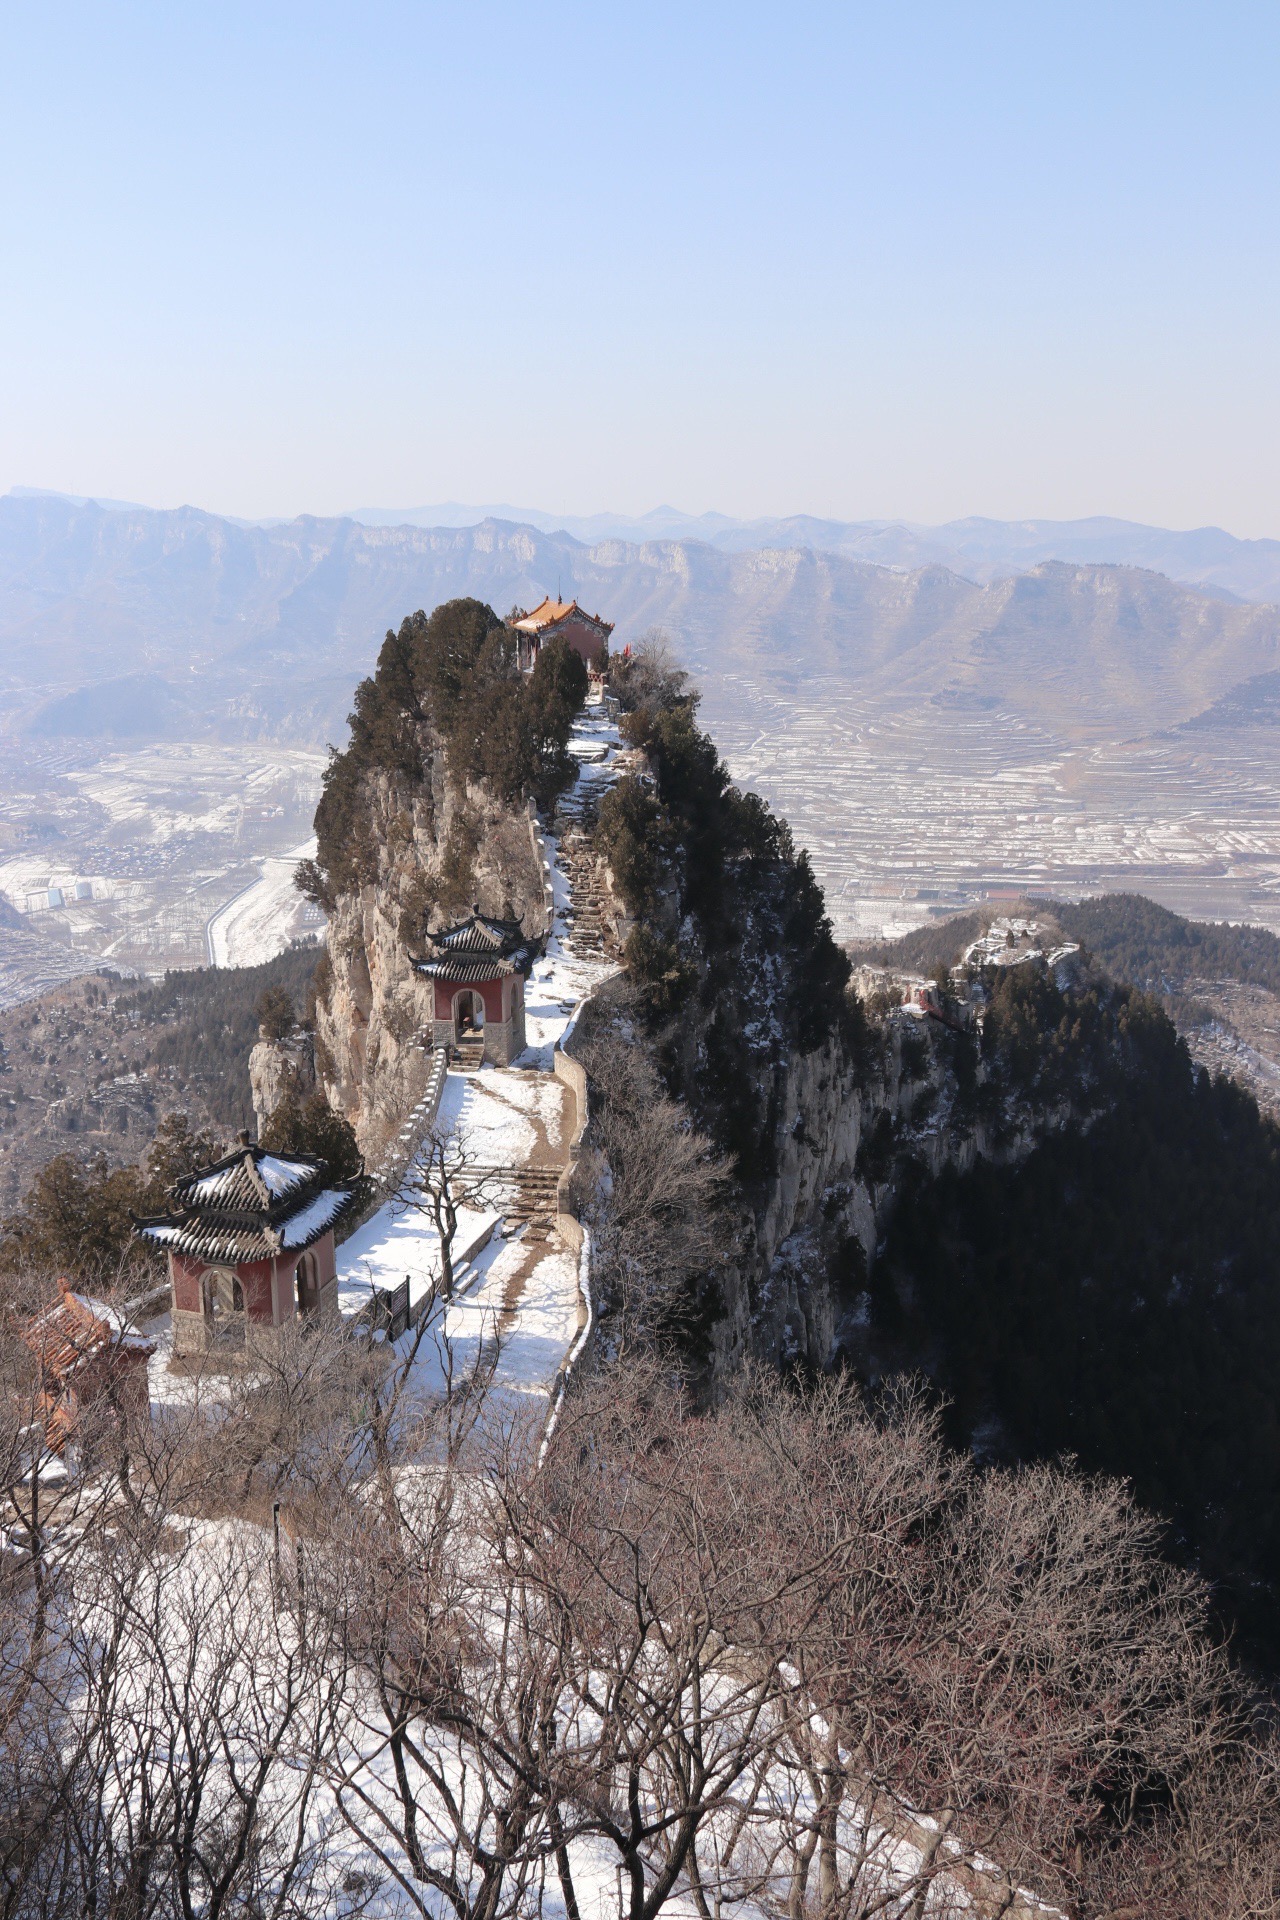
281	1069
847	1139
851	1130
441	849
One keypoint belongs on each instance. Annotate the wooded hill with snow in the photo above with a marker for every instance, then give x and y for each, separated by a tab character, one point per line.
355	1630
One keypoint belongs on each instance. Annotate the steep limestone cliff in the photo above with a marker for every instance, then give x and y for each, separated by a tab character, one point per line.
822	1115
851	1135
425	817
373	1011
847	1128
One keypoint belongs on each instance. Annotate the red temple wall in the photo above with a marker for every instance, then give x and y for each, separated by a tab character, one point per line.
255	1282
186	1276
490	992
254	1277
582	637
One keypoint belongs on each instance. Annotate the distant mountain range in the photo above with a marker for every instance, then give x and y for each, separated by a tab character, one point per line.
128	622
981	550
978	548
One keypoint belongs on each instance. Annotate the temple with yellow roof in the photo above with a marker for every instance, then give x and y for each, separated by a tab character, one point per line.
586	633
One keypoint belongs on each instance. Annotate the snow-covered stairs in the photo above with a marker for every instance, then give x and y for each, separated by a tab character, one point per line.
584	914
532	1191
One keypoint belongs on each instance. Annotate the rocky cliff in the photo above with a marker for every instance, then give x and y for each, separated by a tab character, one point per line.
281	1068
819	1114
439	844
852	1134
848	1127
426	816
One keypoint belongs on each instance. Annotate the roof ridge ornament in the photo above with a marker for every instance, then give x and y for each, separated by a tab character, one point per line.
260	1185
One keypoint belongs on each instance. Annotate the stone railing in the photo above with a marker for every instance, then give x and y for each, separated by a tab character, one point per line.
543	862
568	1070
395	1161
581	1340
573	1235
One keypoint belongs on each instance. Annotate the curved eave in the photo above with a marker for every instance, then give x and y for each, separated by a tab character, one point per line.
467	973
223	1242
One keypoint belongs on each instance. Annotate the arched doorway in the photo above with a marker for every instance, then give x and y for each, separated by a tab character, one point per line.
307	1277
468	1014
224	1307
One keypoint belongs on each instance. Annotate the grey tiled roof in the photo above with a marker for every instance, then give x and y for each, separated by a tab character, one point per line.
465	970
250	1205
477	949
480	934
223	1238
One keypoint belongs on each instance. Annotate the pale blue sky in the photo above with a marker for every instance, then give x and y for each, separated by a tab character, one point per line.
911	259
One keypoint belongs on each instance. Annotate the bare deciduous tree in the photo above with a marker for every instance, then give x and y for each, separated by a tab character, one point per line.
658	1220
792	1653
444	1177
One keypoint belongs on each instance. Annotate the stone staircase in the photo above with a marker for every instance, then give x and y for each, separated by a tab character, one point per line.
527	1195
468	1054
584	913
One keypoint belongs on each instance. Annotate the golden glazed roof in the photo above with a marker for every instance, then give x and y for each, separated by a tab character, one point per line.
551	611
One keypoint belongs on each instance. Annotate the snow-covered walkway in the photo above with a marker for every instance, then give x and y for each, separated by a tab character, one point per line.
515	1287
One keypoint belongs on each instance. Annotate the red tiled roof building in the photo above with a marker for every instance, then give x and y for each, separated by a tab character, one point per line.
585	632
93	1364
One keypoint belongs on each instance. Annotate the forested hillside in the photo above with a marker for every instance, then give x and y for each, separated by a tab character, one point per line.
1134	938
1114	1296
732	953
91	1067
1138	940
1101	1281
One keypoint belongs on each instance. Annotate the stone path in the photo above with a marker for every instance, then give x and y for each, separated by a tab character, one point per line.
517	1284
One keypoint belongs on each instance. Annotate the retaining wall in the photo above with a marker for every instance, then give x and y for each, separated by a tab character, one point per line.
568	1070
390	1170
539	846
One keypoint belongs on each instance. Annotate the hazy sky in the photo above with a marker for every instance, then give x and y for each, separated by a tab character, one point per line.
912	259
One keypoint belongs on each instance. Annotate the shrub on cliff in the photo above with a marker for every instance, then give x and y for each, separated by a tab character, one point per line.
447	681
312	1126
275	1013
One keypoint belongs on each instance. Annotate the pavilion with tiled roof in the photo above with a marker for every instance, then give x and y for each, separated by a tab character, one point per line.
90	1359
250	1242
585	632
478	969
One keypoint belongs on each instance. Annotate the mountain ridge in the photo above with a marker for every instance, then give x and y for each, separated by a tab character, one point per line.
178	619
977	546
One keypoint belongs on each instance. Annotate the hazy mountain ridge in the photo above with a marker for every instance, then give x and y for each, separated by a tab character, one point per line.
181	622
979	548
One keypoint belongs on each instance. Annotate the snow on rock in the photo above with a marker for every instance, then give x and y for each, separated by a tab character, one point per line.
520	1292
